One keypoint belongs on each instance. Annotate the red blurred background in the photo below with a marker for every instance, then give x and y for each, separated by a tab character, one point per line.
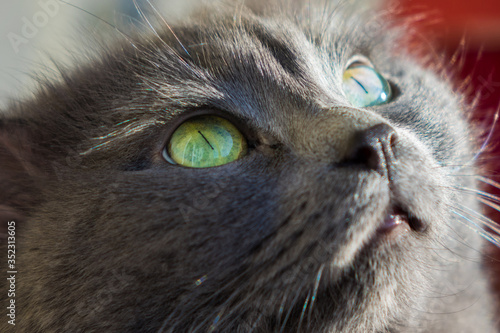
476	24
473	29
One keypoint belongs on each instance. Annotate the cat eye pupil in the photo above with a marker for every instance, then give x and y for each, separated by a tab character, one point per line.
208	142
205	141
364	86
359	83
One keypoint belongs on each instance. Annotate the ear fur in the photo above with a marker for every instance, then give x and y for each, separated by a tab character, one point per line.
18	172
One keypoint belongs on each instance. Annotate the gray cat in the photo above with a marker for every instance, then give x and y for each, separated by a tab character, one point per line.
289	169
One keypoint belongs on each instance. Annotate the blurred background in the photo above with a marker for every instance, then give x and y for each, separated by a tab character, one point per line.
466	32
31	30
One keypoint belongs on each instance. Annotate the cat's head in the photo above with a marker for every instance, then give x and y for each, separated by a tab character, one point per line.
239	172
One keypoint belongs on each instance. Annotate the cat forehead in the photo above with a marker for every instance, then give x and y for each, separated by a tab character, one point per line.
248	56
254	44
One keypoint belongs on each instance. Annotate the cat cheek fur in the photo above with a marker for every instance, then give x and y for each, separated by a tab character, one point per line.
289	238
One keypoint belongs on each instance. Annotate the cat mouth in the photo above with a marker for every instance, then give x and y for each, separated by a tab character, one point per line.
398	221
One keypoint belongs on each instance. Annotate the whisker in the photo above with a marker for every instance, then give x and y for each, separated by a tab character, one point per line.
256	322
127	37
168	26
235	280
479	230
490	135
489	181
490	204
297	294
282	308
144	17
485	220
233	309
495	239
466	174
304	308
479	192
315	291
241	303
486	141
214	323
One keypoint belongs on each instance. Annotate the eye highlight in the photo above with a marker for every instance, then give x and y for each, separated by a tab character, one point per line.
364	86
204	142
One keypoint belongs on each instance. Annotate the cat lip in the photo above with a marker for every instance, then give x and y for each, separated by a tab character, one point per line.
397	221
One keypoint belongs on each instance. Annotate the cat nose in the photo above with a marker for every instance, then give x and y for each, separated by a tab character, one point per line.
375	148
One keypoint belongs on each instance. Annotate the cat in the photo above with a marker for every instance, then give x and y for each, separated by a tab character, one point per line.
262	167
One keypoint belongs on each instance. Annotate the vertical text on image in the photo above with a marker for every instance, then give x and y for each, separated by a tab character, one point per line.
11	272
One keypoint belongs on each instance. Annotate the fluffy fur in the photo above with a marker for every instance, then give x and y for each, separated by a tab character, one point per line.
112	238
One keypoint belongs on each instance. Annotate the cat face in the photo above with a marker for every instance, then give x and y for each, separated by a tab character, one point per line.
249	173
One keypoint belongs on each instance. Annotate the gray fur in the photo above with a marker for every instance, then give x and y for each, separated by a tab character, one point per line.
114	239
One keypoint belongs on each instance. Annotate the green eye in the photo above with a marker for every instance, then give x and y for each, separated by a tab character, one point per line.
364	86
204	142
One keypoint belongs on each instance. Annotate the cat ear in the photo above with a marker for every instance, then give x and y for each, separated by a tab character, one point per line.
19	172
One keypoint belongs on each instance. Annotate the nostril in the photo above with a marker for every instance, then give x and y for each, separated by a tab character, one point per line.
374	149
366	156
